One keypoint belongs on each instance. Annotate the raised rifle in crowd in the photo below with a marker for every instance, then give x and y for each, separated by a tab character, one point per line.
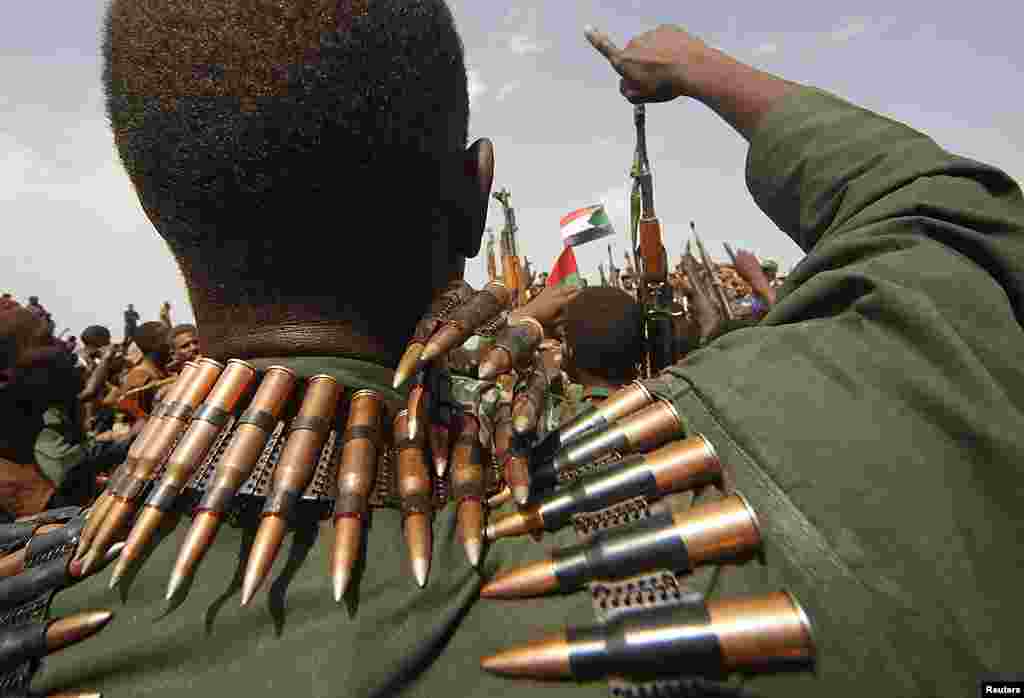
716	282
654	291
510	265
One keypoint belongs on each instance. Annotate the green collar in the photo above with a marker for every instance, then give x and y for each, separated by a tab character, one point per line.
351	373
596	392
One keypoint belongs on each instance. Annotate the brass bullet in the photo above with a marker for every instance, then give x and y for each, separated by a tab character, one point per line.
419	541
414	488
517	474
103	503
546	659
468	487
440	443
485	305
268	541
233	469
348	532
198	540
357	473
534	579
528	405
292	475
206	426
407	365
709	533
455	294
71	630
174	420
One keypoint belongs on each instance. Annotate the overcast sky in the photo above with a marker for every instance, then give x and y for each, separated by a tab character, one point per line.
74	233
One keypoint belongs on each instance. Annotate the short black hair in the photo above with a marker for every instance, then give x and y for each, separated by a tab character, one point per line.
182	329
604	331
96	334
152	338
273	148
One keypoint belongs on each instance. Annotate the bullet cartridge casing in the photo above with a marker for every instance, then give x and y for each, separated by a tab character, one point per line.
357	469
204	429
708	533
467	476
481	308
173	422
307	433
619	404
414	489
502	431
645	429
455	294
758	633
528	405
680	465
249	439
413	476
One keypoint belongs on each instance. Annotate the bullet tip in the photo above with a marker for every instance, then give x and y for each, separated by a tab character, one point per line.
430	352
521	424
341	578
440	466
173	586
474	548
247	595
420	567
491	532
115	578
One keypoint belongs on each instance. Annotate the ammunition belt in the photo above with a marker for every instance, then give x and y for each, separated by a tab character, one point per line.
40	550
659	589
319	498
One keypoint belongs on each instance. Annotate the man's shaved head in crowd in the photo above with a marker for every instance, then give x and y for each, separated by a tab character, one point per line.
294	153
604	334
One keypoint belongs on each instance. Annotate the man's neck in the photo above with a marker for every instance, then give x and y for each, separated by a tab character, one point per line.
222	339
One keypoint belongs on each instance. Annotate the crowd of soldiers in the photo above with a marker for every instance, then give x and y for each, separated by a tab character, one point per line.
822	502
93	397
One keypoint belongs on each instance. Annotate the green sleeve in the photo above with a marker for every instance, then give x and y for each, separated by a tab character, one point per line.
874	418
55	452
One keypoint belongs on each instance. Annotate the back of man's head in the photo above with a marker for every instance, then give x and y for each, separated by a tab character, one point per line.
296	153
153	338
604	333
95	336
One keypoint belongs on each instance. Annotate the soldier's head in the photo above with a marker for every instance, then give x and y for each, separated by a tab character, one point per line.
184	343
603	336
153	341
34	300
95	337
770	269
295	156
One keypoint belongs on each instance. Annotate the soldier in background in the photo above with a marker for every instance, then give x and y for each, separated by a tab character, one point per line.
131	322
604	345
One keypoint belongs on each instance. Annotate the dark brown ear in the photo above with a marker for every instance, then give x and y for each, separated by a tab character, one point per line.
478	172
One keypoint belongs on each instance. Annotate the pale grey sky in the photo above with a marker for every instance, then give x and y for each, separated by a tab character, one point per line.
75	235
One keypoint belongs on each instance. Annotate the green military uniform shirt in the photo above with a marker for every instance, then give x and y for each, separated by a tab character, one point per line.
60	446
873	420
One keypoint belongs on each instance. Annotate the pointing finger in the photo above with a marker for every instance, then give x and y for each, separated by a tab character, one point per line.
604	45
